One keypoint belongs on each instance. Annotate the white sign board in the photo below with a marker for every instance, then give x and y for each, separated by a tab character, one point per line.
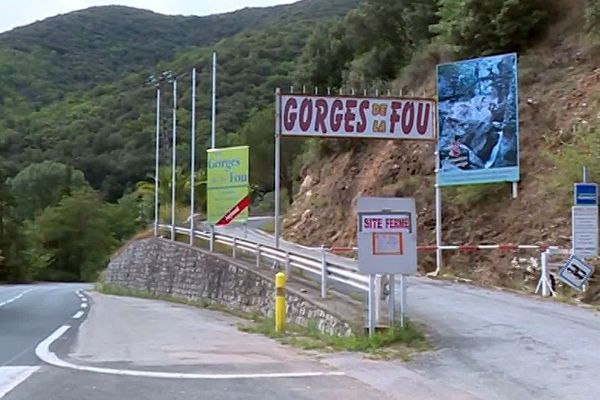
585	231
575	273
357	117
387	235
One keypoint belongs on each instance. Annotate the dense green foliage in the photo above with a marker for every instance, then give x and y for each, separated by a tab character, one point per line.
592	16
474	27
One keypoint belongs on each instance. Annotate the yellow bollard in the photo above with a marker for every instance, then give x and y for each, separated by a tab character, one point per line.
280	302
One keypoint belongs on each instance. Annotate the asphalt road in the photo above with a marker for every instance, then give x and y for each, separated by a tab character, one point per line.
496	345
129	348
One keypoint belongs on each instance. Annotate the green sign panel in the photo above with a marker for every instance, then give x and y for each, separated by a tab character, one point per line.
227	185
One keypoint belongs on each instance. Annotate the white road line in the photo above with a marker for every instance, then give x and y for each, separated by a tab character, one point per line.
42	351
17	297
78	315
84	305
11	377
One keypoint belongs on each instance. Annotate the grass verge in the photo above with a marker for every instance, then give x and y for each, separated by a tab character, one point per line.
394	343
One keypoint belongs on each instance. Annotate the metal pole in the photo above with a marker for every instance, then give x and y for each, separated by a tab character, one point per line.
438	222
545	274
371	305
377	296
277	166
156	161
402	299
214	101
392	300
585	174
515	190
193	161
174	159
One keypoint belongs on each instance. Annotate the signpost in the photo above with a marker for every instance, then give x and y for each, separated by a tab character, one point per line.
575	273
387	244
227	185
584	220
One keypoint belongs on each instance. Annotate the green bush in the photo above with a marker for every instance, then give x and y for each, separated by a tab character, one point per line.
473	27
592	17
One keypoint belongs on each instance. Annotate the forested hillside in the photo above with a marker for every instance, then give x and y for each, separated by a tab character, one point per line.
77	123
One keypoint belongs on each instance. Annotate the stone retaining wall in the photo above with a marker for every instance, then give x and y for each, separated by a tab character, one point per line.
162	267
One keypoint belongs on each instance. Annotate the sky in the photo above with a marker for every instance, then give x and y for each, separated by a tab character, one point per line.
15	13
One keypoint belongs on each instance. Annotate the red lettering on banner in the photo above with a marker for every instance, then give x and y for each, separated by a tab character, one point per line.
289	114
423	118
350	116
306	111
362	111
408	117
396	105
397	223
335	116
321	106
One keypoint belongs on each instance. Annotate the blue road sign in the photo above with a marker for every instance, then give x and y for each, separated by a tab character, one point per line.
586	194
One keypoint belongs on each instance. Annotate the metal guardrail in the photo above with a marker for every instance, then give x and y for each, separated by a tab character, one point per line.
322	267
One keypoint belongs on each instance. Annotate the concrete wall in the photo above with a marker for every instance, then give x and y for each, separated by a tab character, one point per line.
162	267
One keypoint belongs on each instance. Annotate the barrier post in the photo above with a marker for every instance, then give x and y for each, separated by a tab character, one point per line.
279	302
288	267
258	256
211	242
392	299
323	273
233	249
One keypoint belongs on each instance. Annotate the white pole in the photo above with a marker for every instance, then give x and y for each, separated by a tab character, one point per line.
156	161
438	218
214	101
371	305
174	159
277	166
193	161
515	190
402	299
392	299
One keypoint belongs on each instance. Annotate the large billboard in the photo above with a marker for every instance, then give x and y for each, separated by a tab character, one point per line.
227	185
357	117
478	121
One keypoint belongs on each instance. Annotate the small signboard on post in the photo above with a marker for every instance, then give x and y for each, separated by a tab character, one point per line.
387	236
575	273
584	220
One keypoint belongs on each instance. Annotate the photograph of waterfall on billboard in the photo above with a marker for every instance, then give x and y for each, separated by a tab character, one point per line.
478	121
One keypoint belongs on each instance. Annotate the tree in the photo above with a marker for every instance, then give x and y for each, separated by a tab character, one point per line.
325	57
75	236
42	185
475	28
12	242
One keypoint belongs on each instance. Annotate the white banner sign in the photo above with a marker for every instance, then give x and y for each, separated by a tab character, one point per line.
585	231
357	117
